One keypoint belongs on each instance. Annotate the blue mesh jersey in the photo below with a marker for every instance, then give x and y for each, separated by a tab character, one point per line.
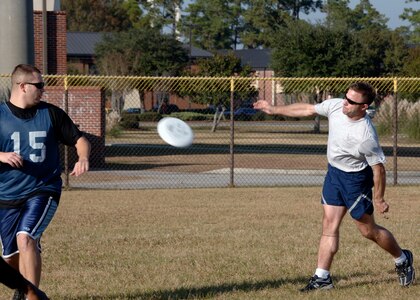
35	135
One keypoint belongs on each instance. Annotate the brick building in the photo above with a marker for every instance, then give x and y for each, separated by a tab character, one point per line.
84	105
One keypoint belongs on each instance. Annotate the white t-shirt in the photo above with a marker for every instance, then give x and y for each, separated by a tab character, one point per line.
352	145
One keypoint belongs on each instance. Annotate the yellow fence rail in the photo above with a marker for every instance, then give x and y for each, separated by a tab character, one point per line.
199	84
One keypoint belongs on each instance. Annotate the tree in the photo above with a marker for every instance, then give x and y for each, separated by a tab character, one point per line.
221	65
262	20
341	17
143	51
139	52
212	24
222	24
413	16
412	63
98	15
305	50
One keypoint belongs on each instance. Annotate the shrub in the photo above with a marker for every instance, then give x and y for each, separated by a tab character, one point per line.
412	127
129	121
149	117
408	119
115	131
191	116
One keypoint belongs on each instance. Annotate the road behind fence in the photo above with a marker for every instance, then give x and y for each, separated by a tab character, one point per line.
245	150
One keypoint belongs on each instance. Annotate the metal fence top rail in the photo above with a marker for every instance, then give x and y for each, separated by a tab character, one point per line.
199	84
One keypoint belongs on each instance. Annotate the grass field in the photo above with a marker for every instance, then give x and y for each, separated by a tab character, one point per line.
226	243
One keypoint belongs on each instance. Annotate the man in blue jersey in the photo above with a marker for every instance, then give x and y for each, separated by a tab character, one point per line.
355	166
30	170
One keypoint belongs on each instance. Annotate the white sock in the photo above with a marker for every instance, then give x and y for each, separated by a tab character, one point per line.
401	259
321	273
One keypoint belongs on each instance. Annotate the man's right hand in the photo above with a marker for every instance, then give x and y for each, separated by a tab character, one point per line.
264	106
11	158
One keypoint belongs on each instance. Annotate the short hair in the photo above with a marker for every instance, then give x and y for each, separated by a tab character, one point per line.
364	88
23	70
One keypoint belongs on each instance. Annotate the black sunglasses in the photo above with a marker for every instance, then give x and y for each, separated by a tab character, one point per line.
38	85
353	102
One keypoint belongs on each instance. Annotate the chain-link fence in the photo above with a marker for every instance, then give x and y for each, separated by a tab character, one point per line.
243	148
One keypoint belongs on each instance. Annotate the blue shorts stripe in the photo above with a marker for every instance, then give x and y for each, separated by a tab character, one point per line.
45	219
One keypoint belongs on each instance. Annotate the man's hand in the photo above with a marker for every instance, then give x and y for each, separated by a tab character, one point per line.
11	158
382	207
82	166
264	106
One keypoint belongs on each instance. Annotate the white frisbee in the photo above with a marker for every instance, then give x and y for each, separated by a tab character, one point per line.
175	132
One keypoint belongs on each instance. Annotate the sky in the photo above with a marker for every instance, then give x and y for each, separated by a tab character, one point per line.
392	9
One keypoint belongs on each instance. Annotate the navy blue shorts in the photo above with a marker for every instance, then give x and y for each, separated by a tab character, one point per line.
350	189
31	218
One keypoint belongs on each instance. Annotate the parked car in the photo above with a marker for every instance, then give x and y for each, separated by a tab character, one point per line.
133	110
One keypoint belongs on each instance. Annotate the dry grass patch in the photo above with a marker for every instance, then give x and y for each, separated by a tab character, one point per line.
241	243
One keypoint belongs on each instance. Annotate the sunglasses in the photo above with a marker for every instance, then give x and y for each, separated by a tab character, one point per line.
353	102
38	85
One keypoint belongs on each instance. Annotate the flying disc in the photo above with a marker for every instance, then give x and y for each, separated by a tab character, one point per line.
175	132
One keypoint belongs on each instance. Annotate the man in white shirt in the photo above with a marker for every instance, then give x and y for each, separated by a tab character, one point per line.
355	166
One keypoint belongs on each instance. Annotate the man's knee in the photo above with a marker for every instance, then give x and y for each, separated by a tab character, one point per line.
26	242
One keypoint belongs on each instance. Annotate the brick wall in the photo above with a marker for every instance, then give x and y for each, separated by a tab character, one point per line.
56	41
86	107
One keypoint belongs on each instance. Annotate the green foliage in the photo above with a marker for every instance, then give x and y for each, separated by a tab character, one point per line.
221	66
149	117
115	131
119	15
212	24
412	16
129	121
143	51
342	46
412	63
220	24
96	15
304	50
191	116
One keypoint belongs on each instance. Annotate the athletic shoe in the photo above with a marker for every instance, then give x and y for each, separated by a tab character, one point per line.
405	271
317	283
19	295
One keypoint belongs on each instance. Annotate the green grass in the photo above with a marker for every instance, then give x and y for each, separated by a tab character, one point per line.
226	243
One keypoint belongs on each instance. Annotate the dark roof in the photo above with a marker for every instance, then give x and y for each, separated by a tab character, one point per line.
197	52
258	59
83	44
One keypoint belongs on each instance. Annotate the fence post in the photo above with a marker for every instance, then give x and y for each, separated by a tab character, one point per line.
232	134
66	148
395	131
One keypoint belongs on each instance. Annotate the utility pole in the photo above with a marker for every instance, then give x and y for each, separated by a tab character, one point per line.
16	36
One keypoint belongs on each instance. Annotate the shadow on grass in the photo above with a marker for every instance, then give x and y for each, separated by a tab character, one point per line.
198	292
214	290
